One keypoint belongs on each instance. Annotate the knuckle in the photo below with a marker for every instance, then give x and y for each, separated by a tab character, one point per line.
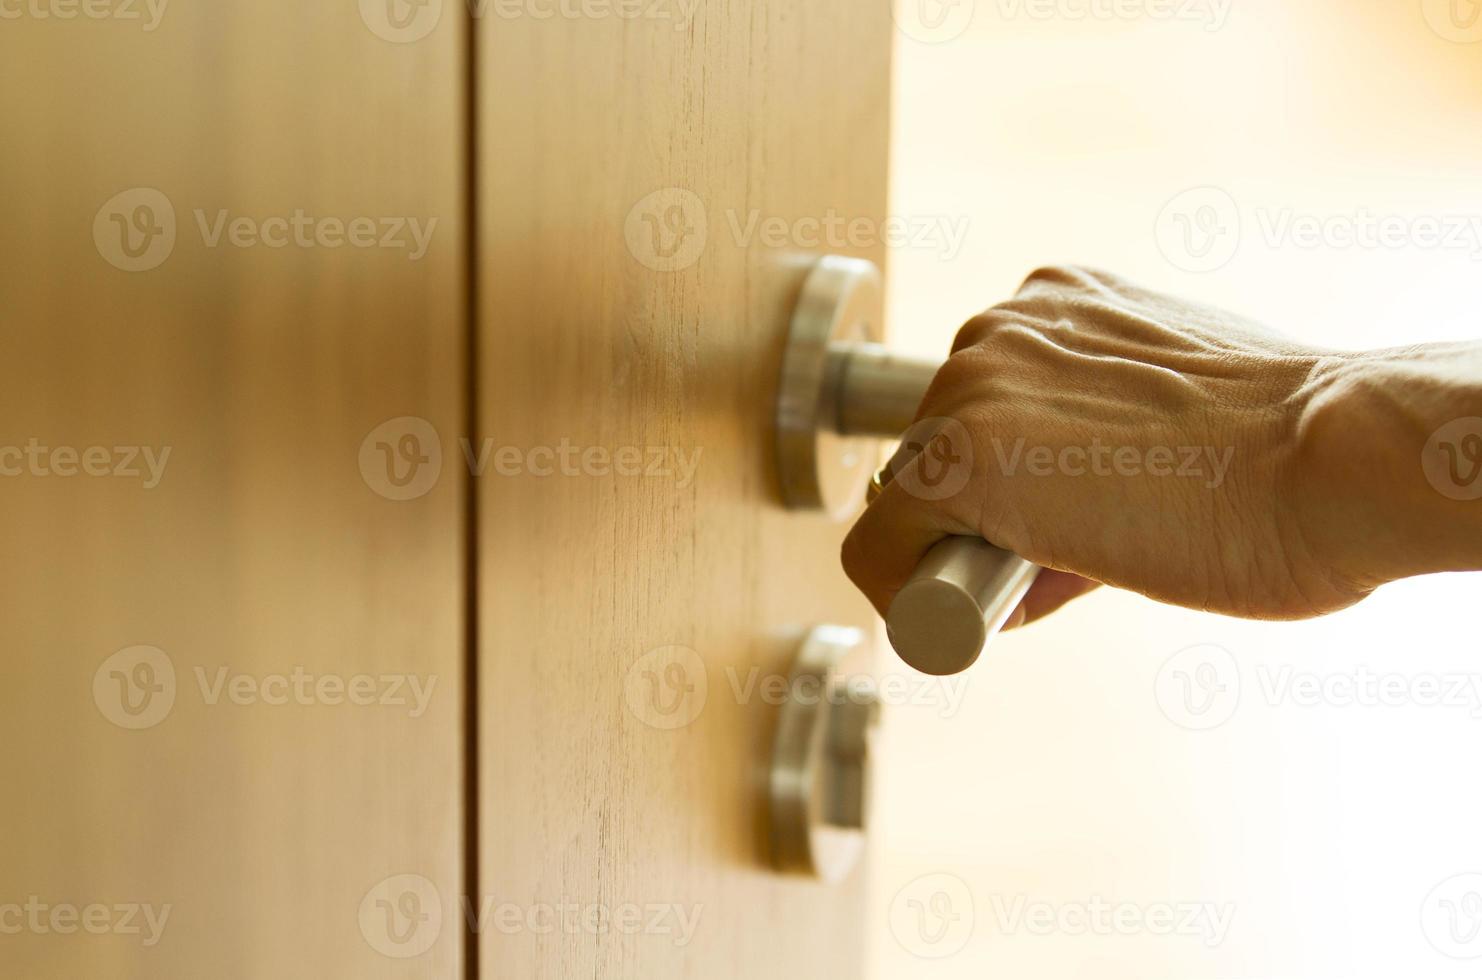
1060	280
1065	275
963	371
983	328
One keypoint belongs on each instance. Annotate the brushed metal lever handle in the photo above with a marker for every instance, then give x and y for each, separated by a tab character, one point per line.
960	595
840	393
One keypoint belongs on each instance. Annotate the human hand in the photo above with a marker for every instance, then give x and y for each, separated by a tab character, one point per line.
1116	435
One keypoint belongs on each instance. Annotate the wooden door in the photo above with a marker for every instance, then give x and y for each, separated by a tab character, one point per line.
250	465
652	192
196	528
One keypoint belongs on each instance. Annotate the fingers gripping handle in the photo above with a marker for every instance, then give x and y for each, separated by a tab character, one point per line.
839	391
960	595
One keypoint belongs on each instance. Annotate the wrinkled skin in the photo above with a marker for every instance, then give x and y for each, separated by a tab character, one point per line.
1116	435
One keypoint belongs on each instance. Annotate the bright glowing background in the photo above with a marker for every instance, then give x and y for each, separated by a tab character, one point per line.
1060	780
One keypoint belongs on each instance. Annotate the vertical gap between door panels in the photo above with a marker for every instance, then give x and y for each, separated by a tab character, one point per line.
471	507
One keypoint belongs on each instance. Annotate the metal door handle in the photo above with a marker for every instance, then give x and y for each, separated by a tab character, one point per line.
818	784
840	393
957	599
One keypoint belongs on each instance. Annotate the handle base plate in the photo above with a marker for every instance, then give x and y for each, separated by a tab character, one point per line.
819	469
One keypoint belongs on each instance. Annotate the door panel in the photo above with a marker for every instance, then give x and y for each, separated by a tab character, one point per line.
261	550
629	304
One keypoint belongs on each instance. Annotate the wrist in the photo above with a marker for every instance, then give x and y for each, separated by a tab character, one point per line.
1374	506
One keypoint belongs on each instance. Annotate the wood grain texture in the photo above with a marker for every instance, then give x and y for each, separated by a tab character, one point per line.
775	107
261	549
